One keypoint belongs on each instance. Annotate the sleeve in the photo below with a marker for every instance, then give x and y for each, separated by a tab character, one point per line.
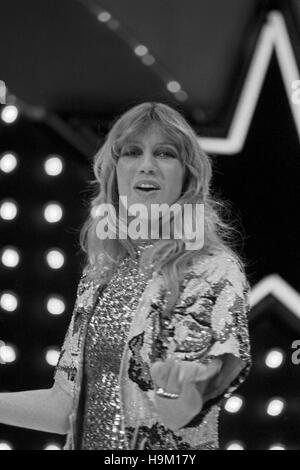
67	367
213	323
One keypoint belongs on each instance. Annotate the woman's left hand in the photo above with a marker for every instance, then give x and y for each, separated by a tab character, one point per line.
187	379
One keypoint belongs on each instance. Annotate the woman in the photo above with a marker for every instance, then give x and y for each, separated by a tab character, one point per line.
159	335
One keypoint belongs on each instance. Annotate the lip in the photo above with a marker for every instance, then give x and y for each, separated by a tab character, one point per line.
146	194
147	181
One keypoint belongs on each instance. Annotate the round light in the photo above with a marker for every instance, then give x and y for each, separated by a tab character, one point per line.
10	257
55	306
275	407
5	446
8	354
113	24
54	166
234	404
52	356
181	95
8	162
141	50
55	259
235	445
52	447
8	301
277	447
173	86
53	213
8	210
9	114
104	16
148	59
274	359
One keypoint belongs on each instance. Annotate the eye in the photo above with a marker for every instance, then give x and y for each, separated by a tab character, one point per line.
130	151
166	153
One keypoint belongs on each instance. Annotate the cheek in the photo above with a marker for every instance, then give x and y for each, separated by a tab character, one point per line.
123	177
175	179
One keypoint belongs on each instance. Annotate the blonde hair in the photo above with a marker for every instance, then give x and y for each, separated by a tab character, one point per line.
168	257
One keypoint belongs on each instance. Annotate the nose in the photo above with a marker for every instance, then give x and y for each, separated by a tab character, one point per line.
147	163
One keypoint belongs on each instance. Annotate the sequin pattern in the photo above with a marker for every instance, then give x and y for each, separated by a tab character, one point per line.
106	337
122	341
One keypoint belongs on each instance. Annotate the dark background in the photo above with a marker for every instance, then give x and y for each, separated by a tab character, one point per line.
71	76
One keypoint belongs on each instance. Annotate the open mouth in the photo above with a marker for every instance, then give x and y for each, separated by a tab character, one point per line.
146	188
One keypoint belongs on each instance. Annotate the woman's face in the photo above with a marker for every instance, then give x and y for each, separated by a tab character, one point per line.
149	170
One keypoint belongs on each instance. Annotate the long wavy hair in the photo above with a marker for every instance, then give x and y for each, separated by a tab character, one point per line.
168	257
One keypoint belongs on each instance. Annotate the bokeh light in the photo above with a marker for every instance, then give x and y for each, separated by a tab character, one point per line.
52	355
8	353
10	257
53	212
8	162
9	114
55	305
55	259
8	209
9	301
54	165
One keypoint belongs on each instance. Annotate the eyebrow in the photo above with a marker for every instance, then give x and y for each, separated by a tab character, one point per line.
140	143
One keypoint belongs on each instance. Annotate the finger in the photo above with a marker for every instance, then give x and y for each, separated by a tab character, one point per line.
173	384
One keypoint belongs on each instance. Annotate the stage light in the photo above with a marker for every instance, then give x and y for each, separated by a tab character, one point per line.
173	86
235	445
181	95
113	24
55	259
8	209
54	166
53	213
277	447
234	404
8	354
55	305
275	407
8	162
9	114
5	446
148	59
10	257
9	302
141	50
52	355
104	16
52	447
274	359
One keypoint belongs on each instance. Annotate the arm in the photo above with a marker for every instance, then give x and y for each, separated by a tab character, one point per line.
49	410
211	341
190	381
43	410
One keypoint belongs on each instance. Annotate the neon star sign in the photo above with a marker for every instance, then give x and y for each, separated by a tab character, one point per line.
273	37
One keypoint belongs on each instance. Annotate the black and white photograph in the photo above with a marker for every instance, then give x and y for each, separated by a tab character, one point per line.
149	233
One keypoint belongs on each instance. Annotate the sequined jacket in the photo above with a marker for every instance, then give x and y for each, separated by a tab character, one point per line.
208	320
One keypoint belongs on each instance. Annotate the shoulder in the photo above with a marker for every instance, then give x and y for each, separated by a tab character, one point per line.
215	270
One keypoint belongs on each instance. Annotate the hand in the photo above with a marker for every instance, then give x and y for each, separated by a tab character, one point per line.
187	379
